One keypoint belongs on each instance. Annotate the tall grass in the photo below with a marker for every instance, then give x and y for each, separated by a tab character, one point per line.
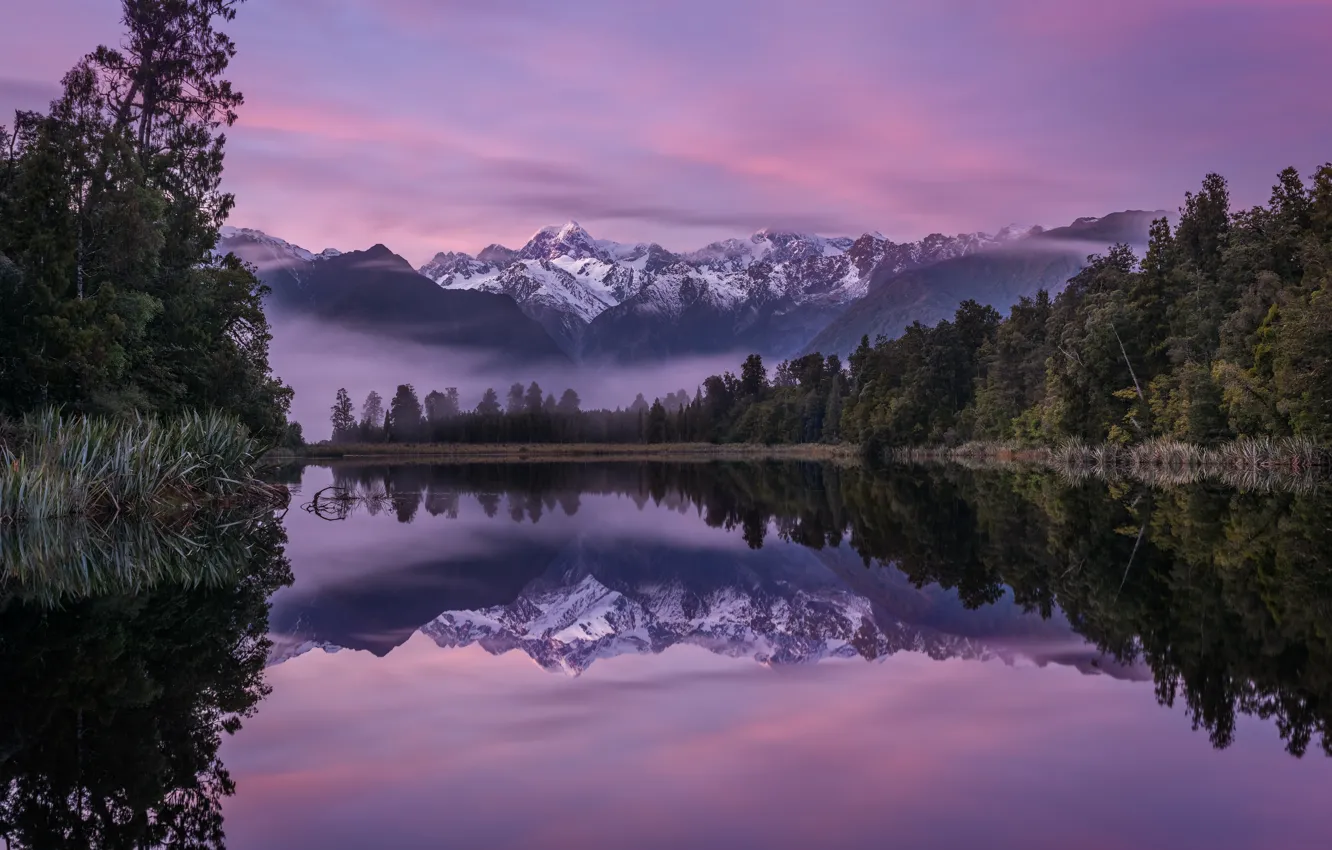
66	466
51	562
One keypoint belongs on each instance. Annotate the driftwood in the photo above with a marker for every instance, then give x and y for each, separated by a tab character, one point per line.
334	503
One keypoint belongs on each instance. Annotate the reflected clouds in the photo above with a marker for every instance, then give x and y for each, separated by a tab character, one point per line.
492	752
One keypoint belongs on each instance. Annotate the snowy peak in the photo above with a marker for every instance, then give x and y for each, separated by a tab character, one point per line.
269	254
497	255
566	628
448	268
781	246
648	301
569	240
1014	232
280	248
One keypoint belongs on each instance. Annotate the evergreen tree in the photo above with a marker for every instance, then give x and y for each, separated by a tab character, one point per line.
533	400
372	411
404	422
569	403
656	423
489	404
344	417
109	213
440	406
753	377
516	402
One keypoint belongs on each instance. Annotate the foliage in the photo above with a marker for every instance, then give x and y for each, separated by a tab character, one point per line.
127	678
103	467
1222	331
109	213
795	408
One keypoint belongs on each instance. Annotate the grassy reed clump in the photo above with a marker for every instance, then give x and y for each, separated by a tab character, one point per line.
75	558
64	466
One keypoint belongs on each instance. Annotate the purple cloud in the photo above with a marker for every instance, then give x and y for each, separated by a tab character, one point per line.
429	125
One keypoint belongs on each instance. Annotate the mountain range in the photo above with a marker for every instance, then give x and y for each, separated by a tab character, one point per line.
770	293
565	294
930	293
378	292
593	600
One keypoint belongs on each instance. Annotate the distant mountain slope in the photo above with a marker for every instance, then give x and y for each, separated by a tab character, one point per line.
998	276
378	292
770	293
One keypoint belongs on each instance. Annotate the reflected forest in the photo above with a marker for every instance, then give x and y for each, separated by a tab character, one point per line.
130	670
1223	594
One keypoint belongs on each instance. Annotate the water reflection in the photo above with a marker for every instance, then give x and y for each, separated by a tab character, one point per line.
1219	596
718	655
125	654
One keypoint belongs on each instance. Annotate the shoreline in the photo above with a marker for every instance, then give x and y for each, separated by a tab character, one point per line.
546	452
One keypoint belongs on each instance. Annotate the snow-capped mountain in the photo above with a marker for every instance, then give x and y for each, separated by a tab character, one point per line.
1023	261
277	260
771	292
566	629
780	605
378	292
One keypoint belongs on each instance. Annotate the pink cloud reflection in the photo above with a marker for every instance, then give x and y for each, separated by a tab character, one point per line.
690	749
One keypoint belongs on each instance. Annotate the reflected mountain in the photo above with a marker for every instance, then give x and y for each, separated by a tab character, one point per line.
1220	596
535	576
783	605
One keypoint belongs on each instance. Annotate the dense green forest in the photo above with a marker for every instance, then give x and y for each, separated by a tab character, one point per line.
110	205
1223	330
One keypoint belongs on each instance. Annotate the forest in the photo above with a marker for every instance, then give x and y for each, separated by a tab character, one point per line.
1222	331
110	205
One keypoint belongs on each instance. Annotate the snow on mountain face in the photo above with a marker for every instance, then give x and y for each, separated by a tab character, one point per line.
570	241
565	279
566	629
269	253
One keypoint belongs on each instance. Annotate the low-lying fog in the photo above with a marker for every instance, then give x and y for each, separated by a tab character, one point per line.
317	359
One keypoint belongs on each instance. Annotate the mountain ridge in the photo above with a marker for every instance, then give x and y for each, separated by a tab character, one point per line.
778	293
606	300
378	292
998	277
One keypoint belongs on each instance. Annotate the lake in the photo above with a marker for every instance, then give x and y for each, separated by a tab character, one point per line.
712	655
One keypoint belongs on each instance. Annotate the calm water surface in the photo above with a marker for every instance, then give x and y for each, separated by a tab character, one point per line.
707	655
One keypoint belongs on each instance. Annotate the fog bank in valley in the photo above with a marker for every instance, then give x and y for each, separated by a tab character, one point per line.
316	359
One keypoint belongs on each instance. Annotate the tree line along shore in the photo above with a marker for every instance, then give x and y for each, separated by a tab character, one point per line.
119	312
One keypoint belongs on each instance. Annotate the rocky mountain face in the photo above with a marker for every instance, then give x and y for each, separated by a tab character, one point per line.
778	293
566	629
769	293
378	292
999	276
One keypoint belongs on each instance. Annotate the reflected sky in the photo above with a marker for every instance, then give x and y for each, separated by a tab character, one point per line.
420	700
428	747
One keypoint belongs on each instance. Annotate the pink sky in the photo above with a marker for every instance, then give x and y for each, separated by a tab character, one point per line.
431	125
